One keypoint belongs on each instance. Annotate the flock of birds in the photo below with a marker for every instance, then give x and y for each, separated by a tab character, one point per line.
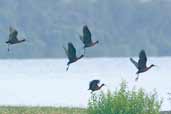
86	39
140	65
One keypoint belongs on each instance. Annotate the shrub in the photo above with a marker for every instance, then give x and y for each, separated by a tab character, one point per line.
123	101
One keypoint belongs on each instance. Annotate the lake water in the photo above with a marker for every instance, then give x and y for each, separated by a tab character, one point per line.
45	82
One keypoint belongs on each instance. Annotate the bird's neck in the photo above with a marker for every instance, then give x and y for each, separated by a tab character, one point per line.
100	86
80	57
22	40
148	67
75	59
94	43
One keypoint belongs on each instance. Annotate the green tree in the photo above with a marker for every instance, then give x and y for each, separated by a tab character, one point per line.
124	101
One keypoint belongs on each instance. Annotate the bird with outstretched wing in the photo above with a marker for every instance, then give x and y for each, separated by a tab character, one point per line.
86	35
142	60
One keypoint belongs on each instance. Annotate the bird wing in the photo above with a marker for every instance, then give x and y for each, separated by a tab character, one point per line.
142	60
13	35
94	84
86	35
81	38
66	51
71	51
134	62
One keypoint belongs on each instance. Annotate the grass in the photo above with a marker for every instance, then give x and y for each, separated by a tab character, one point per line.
40	110
45	110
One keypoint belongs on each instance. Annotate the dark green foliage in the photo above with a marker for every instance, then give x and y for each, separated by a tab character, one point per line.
123	101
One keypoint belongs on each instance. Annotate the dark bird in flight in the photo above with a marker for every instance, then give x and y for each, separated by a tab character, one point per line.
93	86
13	39
141	64
71	54
86	38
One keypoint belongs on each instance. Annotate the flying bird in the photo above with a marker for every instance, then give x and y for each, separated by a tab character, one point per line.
13	39
86	38
94	85
141	64
71	54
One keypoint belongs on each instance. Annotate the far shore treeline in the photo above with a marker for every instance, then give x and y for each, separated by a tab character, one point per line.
123	27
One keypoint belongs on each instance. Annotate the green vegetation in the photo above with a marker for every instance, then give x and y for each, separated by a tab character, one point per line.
45	110
40	110
123	101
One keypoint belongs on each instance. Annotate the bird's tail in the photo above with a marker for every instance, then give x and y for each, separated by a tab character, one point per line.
23	40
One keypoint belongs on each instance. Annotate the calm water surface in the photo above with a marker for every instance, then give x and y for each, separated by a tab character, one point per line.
45	81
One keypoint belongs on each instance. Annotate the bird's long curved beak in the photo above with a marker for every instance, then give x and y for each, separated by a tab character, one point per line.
156	66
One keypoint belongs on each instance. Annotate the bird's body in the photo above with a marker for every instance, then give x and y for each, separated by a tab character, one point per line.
141	64
86	38
13	37
15	41
71	54
93	86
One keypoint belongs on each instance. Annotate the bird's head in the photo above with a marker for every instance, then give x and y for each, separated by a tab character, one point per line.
152	65
97	41
103	85
24	39
81	56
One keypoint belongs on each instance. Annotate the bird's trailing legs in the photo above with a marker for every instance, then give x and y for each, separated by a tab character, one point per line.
136	79
67	68
8	48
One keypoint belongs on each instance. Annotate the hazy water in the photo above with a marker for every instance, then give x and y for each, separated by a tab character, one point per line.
45	82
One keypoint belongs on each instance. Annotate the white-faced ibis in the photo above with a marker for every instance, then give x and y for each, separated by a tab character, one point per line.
86	38
13	37
71	54
93	86
141	64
